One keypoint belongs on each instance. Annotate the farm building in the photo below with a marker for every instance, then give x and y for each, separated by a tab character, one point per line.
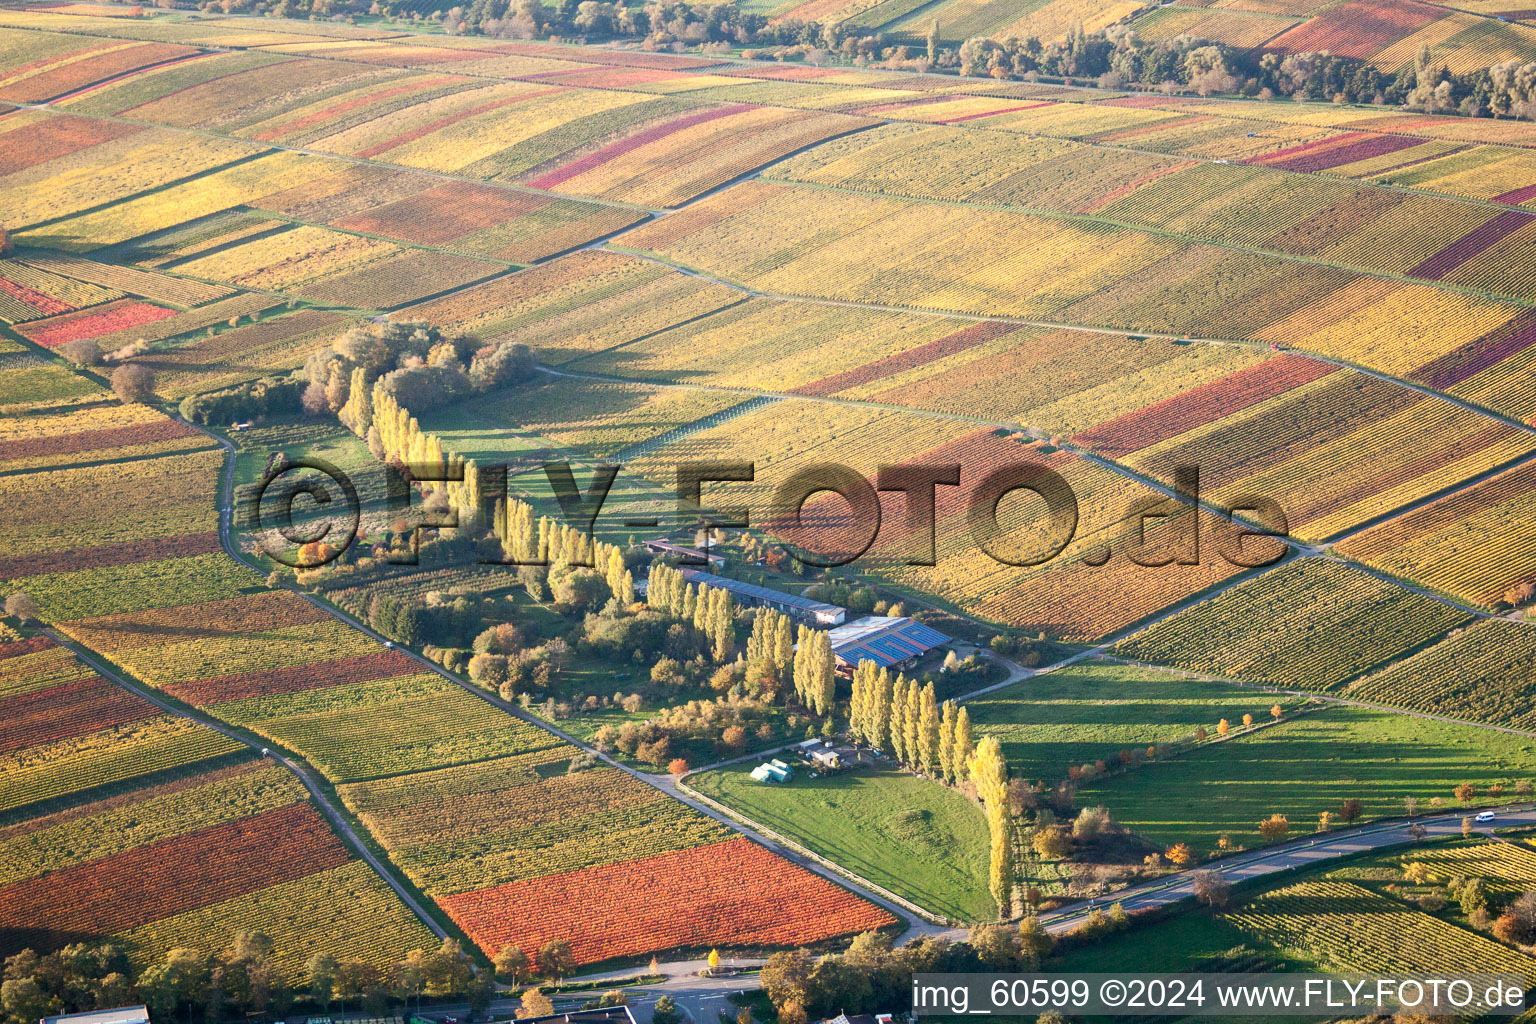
889	641
861	1018
774	771
603	1015
121	1015
688	556
812	613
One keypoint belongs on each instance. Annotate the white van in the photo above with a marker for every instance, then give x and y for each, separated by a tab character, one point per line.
1484	818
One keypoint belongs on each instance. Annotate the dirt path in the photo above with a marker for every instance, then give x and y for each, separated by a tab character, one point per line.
302	771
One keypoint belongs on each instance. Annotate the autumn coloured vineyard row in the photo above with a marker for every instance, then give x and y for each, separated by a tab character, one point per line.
686	900
1311	624
1339	923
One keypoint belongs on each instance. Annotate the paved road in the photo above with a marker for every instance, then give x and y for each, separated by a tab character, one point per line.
340	823
1299	853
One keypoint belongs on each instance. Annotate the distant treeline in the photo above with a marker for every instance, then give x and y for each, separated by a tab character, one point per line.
1113	57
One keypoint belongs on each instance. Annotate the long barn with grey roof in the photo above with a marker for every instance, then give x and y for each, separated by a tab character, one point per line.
813	613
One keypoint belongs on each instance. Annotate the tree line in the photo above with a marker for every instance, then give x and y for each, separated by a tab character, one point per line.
243	978
1112	57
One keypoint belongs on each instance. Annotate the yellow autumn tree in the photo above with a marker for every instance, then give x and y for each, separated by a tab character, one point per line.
989	771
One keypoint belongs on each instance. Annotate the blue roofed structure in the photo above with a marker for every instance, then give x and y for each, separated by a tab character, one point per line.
815	613
887	640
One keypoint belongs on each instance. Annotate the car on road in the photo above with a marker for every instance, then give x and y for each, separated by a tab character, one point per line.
389	645
1484	818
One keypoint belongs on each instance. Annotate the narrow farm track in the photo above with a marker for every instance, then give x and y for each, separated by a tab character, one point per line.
301	771
667	784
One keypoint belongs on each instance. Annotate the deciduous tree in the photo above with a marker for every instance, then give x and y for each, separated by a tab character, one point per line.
556	959
511	964
1211	888
132	383
20	605
989	770
537	1004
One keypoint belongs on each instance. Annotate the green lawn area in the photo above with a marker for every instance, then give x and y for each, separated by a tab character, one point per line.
917	838
1093	710
465	428
1302	767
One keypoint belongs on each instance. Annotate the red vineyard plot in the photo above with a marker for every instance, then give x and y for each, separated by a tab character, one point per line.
73	709
123	315
167	878
92	440
730	893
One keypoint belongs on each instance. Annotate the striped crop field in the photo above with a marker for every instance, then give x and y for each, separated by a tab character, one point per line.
1174	365
1311	625
1473	544
1481	674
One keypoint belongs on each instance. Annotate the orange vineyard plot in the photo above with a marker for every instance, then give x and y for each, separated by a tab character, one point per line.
731	893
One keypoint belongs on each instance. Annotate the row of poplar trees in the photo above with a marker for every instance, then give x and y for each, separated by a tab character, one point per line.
779	652
526	539
900	716
906	719
712	610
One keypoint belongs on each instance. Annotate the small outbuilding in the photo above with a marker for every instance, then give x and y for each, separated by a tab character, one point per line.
772	772
120	1015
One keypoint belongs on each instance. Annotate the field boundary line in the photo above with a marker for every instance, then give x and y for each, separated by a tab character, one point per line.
337	821
805	851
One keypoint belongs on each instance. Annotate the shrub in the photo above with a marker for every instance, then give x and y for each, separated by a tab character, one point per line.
133	383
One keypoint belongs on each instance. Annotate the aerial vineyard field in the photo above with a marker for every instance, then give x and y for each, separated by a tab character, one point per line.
1471	544
1342	927
347	912
65	838
178	644
166	877
683	900
1508	869
433	724
1090	244
1325	482
521	817
58	511
219	360
1309	625
588	417
489	222
98	434
1481	674
586	302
